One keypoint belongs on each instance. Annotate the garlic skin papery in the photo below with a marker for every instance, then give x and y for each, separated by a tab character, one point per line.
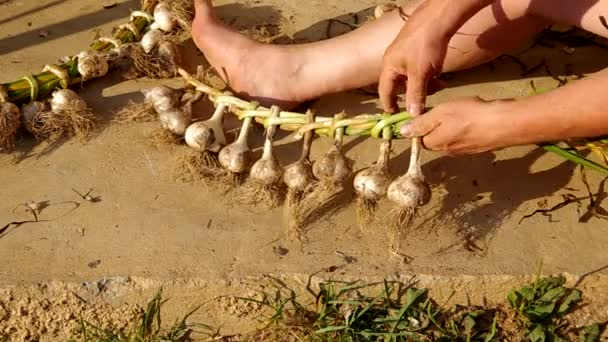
30	110
208	135
163	98
333	166
67	99
411	190
298	176
163	17
175	120
9	125
236	157
373	182
199	137
267	170
151	39
92	65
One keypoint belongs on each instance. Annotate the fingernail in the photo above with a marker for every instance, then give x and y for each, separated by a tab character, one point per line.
407	130
415	109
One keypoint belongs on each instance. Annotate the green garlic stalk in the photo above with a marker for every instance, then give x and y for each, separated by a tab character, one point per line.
31	88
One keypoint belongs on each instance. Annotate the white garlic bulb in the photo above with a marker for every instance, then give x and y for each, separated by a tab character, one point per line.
92	65
175	120
163	17
163	98
66	99
151	39
30	110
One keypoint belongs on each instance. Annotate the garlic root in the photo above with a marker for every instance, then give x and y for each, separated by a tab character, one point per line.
372	184
9	125
299	180
68	116
263	187
409	192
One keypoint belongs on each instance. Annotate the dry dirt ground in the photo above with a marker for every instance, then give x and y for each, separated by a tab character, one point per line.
99	259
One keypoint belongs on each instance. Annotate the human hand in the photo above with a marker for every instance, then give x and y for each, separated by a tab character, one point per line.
464	126
416	56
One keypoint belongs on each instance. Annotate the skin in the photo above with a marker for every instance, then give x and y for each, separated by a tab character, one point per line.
419	51
439	36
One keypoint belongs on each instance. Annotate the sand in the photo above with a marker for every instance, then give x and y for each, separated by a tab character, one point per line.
149	230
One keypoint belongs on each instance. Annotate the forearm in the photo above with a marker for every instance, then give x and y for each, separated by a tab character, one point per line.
575	111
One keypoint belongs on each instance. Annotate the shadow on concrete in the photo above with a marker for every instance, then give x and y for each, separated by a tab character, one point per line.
66	27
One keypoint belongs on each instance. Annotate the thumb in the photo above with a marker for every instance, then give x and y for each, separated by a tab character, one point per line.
420	126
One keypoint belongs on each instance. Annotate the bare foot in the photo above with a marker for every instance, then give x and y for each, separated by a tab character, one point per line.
266	73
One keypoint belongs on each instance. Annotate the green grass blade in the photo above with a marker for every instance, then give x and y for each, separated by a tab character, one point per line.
576	158
331	329
414	297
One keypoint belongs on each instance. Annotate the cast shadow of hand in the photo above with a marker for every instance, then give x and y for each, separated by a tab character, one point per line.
481	193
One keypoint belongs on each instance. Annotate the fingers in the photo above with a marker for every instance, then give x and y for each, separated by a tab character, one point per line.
420	126
416	91
387	88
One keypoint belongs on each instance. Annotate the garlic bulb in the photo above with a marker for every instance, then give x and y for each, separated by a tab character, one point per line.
198	135
208	135
175	120
163	17
267	170
67	99
170	56
151	39
30	110
120	57
411	190
92	65
373	182
333	166
163	98
9	125
299	175
9	110
236	157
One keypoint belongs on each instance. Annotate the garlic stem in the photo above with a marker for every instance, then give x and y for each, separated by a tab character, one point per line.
339	134
415	168
216	124
244	133
270	134
307	144
385	151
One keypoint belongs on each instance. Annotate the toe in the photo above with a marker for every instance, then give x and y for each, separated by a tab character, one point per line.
203	7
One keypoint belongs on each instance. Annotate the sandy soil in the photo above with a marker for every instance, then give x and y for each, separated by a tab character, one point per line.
158	231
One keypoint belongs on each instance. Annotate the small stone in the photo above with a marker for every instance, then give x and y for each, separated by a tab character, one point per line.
94	264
